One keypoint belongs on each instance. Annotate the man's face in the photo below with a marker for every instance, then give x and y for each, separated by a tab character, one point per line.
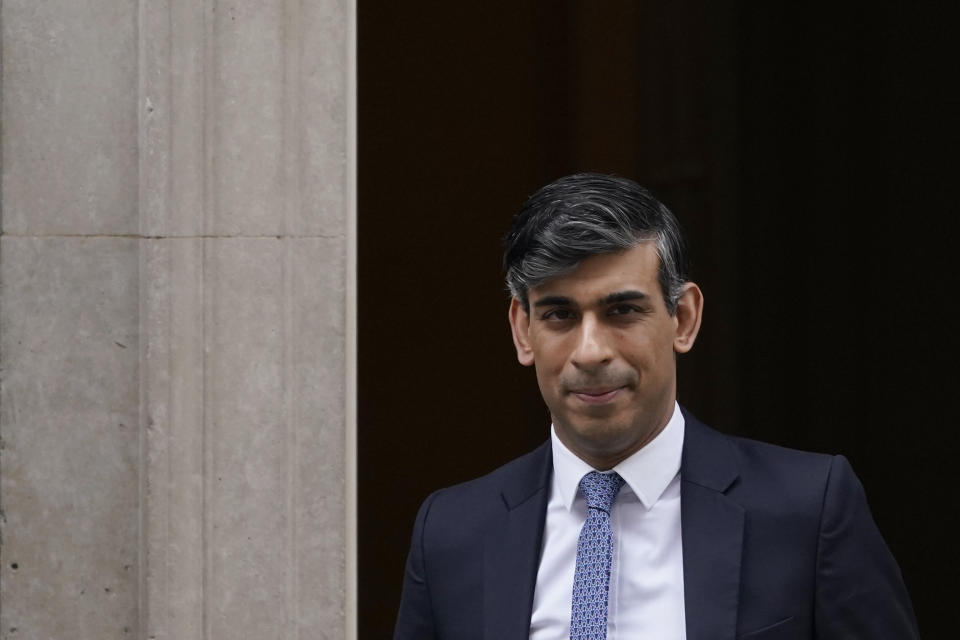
603	346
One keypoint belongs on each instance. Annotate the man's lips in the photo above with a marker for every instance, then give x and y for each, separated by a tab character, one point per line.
597	396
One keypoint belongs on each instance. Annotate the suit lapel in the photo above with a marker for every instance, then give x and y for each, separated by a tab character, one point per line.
512	550
712	533
712	538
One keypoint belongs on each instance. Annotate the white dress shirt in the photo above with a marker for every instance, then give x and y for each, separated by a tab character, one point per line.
646	580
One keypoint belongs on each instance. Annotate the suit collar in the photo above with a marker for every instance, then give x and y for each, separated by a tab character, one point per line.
527	476
709	459
512	545
712	533
647	472
712	538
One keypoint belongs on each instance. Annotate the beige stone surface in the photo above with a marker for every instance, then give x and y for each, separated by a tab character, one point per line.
275	415
176	150
248	100
69	339
69	115
248	491
324	100
318	402
171	422
244	118
173	319
244	412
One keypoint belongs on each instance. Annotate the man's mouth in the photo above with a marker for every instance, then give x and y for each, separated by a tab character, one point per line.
597	396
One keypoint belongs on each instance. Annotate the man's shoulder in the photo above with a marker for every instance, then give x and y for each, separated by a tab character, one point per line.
762	454
528	472
508	484
766	469
453	516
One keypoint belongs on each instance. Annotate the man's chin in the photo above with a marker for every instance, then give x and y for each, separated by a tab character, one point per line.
598	439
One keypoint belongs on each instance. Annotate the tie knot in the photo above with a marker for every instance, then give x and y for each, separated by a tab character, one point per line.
600	489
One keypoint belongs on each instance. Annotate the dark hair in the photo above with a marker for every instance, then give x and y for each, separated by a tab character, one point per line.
584	215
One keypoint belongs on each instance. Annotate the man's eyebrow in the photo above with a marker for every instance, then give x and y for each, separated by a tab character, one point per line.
623	296
613	298
553	301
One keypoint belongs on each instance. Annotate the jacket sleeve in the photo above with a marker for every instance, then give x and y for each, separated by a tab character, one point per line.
415	619
860	592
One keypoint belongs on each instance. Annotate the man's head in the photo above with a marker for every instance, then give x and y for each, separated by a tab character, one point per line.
601	304
589	214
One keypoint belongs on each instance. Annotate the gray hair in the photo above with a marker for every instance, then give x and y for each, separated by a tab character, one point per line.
589	214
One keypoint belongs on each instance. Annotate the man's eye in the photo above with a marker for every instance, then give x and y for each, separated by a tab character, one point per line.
623	309
558	314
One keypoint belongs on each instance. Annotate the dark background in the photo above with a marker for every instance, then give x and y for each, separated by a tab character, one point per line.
810	156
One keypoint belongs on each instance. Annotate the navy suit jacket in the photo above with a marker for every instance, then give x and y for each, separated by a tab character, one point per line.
777	544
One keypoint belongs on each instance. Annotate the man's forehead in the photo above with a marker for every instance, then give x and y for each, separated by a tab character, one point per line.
604	275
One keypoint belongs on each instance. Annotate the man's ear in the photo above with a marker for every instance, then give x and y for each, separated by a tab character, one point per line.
520	328
689	313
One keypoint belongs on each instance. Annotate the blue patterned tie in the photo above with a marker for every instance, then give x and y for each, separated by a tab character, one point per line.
591	579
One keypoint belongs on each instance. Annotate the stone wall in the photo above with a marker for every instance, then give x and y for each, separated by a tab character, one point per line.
175	319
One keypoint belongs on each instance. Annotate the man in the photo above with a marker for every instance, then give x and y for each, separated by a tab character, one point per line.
635	520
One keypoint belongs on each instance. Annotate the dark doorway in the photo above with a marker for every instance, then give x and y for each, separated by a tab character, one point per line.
811	161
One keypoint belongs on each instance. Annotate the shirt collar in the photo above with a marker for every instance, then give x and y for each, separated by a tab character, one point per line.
647	472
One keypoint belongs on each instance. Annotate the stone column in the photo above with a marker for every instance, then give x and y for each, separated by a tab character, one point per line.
176	319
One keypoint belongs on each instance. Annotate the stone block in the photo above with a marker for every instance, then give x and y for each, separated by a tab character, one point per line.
172	327
176	157
324	102
69	117
248	82
70	483
172	428
244	119
244	412
318	403
247	485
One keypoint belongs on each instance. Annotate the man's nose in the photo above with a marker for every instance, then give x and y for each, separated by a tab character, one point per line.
593	348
